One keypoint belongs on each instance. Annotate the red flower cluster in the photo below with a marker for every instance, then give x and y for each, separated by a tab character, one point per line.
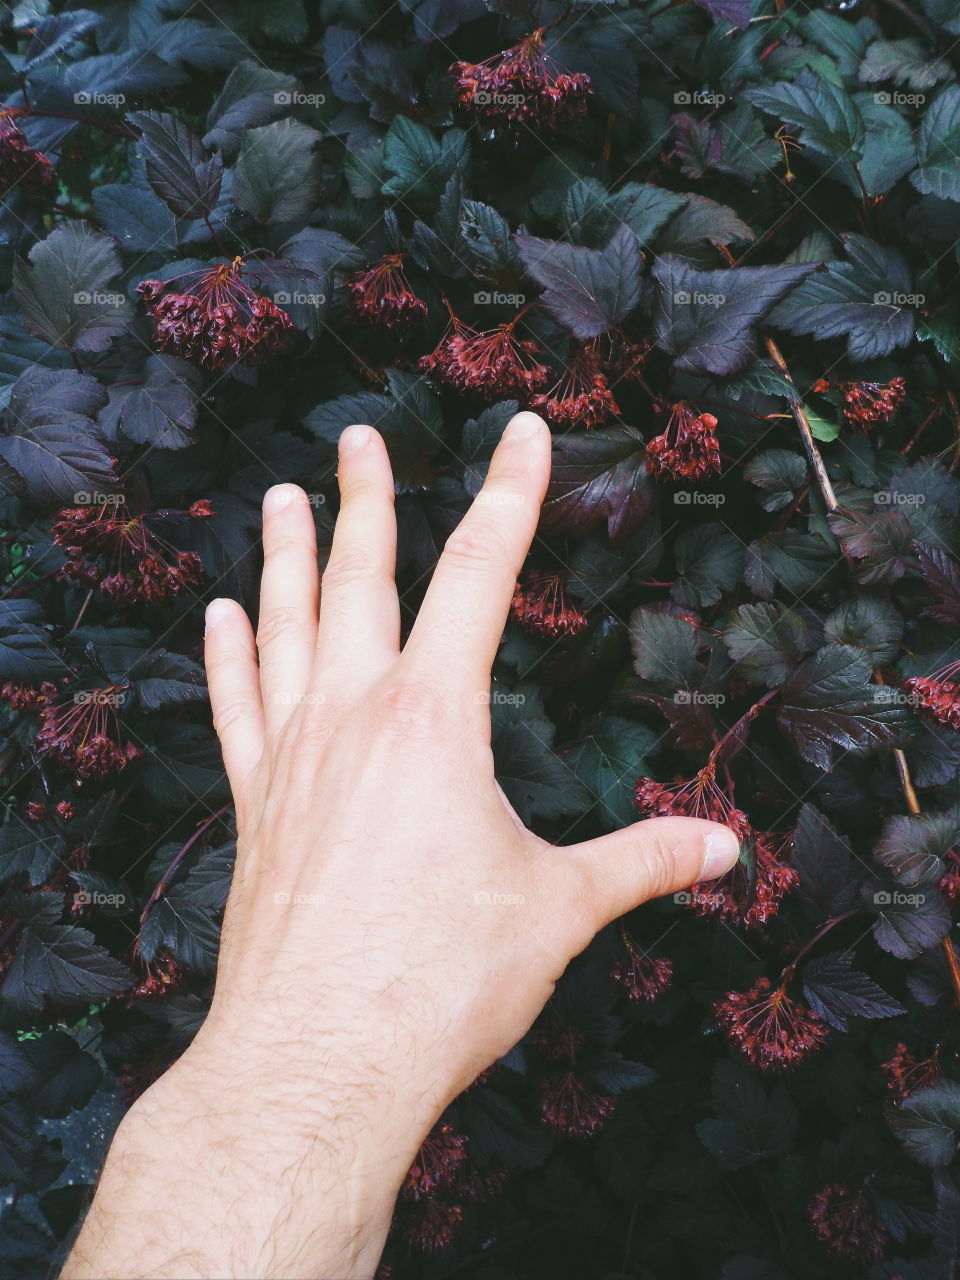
518	89
569	1109
222	321
540	605
82	732
904	1072
495	363
439	1160
846	1225
772	1031
22	166
163	977
582	397
867	403
19	697
938	696
751	891
644	977
117	551
381	294
429	1210
688	449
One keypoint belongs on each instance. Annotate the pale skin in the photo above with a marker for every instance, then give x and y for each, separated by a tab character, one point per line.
392	928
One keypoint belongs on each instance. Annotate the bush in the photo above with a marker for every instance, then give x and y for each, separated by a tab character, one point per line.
715	244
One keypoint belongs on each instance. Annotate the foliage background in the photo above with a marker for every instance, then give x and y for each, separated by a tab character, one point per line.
797	162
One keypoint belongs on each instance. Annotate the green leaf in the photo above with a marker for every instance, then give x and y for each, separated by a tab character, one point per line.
709	561
903	62
62	289
927	1123
534	778
252	95
938	142
277	178
797	561
766	641
866	300
664	648
608	762
780	473
418	164
825	116
869	623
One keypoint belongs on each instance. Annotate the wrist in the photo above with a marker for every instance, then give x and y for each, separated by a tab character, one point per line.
238	1172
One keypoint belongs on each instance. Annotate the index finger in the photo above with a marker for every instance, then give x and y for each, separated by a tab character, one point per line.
461	620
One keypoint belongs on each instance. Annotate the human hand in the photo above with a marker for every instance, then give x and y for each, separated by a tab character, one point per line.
392	927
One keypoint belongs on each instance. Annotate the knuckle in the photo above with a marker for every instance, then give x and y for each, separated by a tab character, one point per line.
281	545
229	714
348	566
279	623
476	545
658	864
410	708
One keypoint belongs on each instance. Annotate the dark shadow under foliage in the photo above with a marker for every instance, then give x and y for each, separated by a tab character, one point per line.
715	243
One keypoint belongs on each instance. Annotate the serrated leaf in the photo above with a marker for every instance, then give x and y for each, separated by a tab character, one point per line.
780	473
534	778
766	641
608	762
938	141
598	478
869	623
829	874
709	561
824	115
588	291
941	573
927	1123
61	289
64	963
276	178
830	705
705	319
752	1123
179	168
664	648
838	992
908	922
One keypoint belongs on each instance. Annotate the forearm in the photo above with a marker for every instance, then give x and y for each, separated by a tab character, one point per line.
208	1177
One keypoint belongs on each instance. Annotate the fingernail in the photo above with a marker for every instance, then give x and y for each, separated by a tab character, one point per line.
721	851
280	496
354	438
523	426
216	611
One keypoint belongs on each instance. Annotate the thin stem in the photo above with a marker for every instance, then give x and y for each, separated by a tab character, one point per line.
832	923
171	870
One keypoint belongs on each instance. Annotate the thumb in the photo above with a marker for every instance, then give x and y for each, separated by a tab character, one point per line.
649	859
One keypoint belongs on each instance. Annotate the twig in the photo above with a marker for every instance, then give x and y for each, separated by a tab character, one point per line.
803	423
182	852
